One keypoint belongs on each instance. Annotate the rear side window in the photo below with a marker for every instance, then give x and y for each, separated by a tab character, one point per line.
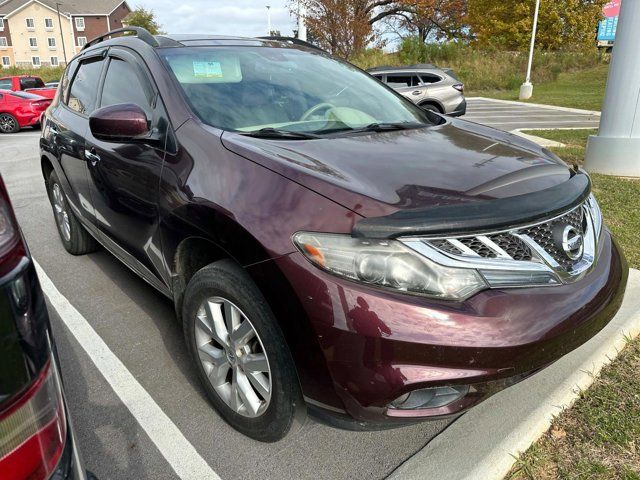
399	81
6	84
31	82
379	77
123	85
26	95
430	78
83	92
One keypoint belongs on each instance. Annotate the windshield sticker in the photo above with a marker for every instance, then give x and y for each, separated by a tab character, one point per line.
207	69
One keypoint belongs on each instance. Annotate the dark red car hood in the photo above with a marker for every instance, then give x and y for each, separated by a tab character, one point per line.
379	173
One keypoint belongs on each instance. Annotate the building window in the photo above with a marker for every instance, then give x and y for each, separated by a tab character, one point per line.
6	62
80	24
31	25
48	23
35	61
3	42
1	24
54	61
33	42
82	41
52	43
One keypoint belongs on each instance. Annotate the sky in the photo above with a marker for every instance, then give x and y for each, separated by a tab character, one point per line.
227	17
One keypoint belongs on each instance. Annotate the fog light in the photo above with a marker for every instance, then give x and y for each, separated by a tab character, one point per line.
430	397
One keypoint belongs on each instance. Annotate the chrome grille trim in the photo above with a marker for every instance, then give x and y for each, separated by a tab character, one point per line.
530	247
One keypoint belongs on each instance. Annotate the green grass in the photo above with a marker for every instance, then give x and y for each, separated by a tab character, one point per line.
599	437
579	89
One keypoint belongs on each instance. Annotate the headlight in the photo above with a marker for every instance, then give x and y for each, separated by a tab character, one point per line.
387	263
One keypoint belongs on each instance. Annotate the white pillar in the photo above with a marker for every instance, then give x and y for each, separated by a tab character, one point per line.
268	20
616	148
302	26
526	89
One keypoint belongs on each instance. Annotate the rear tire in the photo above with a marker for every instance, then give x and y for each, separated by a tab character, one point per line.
430	107
75	238
261	402
8	123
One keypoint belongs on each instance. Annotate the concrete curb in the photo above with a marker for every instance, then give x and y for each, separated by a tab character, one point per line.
543	142
485	442
539	105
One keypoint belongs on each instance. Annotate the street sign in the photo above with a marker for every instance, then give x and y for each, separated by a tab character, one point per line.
608	26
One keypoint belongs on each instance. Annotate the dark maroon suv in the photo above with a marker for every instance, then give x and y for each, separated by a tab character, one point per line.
328	245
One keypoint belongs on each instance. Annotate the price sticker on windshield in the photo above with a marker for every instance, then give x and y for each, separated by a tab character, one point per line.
204	69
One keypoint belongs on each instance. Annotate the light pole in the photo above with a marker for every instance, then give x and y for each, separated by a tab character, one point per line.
526	90
302	27
614	150
268	19
64	50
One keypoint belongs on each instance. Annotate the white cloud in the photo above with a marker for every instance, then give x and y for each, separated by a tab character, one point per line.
245	18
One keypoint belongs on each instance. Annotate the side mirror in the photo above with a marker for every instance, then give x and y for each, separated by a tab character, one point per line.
123	122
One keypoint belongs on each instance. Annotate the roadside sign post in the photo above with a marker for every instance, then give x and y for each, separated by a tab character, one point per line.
614	150
526	90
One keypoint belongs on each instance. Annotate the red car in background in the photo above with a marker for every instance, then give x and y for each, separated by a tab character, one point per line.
27	83
20	109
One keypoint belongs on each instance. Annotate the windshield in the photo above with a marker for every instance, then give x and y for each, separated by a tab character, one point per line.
251	89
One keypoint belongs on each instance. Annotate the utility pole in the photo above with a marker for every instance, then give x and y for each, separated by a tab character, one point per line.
302	26
64	50
526	89
269	20
614	150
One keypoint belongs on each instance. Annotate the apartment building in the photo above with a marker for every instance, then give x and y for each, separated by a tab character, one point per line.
35	33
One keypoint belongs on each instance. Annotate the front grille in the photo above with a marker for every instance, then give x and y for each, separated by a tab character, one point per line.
508	245
543	235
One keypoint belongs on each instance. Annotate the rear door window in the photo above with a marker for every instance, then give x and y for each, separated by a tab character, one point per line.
84	88
400	81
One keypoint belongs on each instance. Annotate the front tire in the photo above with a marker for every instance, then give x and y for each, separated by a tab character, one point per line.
8	123
75	239
241	355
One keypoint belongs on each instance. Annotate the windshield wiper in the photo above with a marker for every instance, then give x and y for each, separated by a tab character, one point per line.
270	132
379	127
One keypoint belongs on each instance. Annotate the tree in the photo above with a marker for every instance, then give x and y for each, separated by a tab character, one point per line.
430	19
507	25
141	17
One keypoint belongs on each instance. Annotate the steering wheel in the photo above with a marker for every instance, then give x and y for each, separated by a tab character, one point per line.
314	109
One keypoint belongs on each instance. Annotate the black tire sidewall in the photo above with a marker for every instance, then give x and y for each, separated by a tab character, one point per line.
228	280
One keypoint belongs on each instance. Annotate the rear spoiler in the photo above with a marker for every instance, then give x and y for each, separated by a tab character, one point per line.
479	216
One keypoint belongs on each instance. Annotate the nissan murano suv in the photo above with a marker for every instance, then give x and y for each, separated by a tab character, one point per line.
329	246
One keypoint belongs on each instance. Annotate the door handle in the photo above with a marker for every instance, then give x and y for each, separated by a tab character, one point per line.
416	92
92	156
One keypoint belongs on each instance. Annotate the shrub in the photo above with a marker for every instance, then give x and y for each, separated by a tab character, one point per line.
482	69
48	74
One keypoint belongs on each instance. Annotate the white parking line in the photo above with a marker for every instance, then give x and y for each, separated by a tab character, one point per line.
174	447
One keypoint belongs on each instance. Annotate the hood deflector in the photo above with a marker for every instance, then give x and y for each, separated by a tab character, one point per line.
482	215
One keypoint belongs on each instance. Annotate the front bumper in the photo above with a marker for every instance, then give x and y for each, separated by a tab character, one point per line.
379	345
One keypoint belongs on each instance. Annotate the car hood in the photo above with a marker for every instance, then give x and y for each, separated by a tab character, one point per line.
380	173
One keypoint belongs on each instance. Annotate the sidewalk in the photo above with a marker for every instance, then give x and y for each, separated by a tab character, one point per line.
483	444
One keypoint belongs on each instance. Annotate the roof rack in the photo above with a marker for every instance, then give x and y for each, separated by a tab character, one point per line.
293	40
140	32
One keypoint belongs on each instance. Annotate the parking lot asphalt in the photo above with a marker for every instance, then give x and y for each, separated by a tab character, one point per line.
510	116
138	326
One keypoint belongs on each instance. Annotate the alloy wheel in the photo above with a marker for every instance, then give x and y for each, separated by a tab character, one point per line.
7	123
233	357
62	217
